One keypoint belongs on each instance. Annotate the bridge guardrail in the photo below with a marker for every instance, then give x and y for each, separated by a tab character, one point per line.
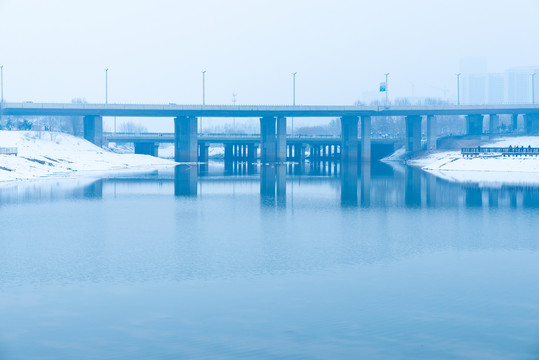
503	151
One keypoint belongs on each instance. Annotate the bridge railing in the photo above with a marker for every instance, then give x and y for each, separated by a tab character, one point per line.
504	151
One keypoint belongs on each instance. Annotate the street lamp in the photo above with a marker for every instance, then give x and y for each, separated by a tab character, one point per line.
2	84
1	92
387	89
293	97
106	85
204	87
533	88
458	88
234	102
203	94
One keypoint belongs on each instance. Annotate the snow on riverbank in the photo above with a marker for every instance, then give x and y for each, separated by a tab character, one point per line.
484	169
48	154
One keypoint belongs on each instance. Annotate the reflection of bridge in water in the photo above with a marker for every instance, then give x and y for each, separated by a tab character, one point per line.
374	186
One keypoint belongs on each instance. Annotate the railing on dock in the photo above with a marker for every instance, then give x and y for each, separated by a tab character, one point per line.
8	151
502	151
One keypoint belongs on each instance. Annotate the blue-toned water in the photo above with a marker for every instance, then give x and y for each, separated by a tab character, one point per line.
268	263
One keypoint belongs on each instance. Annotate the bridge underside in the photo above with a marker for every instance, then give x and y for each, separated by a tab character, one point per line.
354	145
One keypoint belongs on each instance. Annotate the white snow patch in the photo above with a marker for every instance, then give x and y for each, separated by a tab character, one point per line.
490	168
49	154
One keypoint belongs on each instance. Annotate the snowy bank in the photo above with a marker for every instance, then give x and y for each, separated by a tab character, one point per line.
490	168
48	154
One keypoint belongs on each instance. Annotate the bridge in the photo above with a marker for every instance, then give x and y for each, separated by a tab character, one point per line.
244	147
273	138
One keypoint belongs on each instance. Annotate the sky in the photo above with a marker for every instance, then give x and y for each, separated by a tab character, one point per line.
57	50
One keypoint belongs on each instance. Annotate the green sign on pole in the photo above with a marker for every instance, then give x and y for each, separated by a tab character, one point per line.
382	87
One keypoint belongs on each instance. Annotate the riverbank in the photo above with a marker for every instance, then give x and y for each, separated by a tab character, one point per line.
42	154
490	168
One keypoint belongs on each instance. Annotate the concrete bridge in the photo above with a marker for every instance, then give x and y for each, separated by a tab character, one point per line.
244	147
273	122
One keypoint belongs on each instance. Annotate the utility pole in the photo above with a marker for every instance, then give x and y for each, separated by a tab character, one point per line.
204	87
387	90
2	84
106	85
234	102
533	88
203	94
293	97
458	88
1	92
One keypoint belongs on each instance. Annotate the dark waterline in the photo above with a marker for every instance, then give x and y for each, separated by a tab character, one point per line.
290	261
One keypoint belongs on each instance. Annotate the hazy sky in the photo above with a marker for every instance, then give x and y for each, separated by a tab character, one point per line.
56	50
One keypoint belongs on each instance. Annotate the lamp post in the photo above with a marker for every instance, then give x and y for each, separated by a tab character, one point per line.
458	88
204	87
1	92
106	85
203	94
387	89
2	84
234	102
293	97
533	88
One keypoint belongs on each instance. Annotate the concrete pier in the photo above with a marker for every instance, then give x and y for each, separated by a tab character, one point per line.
203	152
93	129
146	148
432	132
493	124
413	133
185	138
268	140
349	139
252	150
474	124
365	139
531	124
514	121
281	139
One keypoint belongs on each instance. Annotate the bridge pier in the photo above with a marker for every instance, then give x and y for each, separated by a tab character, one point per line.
514	120
349	139
474	124
268	140
93	129
531	122
493	124
146	148
203	152
252	150
365	139
281	139
299	153
413	133
432	131
185	138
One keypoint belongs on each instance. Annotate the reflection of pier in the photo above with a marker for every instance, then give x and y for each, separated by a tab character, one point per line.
374	185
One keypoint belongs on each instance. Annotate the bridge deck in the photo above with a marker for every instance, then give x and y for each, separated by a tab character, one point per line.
173	110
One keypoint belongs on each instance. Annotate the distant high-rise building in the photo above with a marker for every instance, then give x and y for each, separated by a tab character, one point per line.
496	89
474	80
518	85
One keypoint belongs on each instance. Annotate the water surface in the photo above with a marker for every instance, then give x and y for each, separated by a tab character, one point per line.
282	262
